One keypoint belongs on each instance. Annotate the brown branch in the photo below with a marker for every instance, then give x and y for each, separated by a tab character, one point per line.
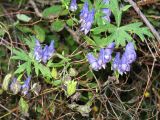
10	112
74	34
35	8
145	20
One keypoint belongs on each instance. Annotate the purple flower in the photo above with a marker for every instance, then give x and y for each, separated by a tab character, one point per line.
43	54
51	49
130	53
38	51
84	12
86	23
116	62
15	86
73	5
48	52
106	12
101	60
124	66
106	1
108	51
93	62
25	86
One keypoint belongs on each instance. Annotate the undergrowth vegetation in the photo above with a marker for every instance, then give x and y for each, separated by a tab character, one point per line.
79	59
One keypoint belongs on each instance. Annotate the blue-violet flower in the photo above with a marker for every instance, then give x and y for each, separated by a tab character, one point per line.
73	5
93	62
101	59
84	12
130	53
106	12
43	54
124	66
38	51
86	23
116	62
26	85
108	51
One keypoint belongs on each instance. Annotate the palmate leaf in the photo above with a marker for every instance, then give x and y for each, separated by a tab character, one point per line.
25	66
20	55
36	67
108	27
122	34
45	71
137	29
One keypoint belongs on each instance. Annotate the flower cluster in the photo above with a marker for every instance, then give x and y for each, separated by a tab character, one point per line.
16	87
104	57
73	5
106	12
121	64
87	17
43	54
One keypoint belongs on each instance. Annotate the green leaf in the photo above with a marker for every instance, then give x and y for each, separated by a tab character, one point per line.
70	22
54	73
125	8
36	66
56	82
23	107
28	68
40	33
73	72
20	55
114	7
89	41
23	17
65	3
104	28
21	68
53	10
45	71
71	87
24	29
121	35
57	25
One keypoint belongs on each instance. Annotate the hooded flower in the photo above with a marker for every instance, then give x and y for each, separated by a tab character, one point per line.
73	5
101	60
86	23
25	86
106	12
38	51
93	62
124	66
48	52
130	53
108	51
15	86
84	12
116	62
51	49
43	54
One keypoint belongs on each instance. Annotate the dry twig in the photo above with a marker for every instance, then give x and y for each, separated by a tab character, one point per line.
145	20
